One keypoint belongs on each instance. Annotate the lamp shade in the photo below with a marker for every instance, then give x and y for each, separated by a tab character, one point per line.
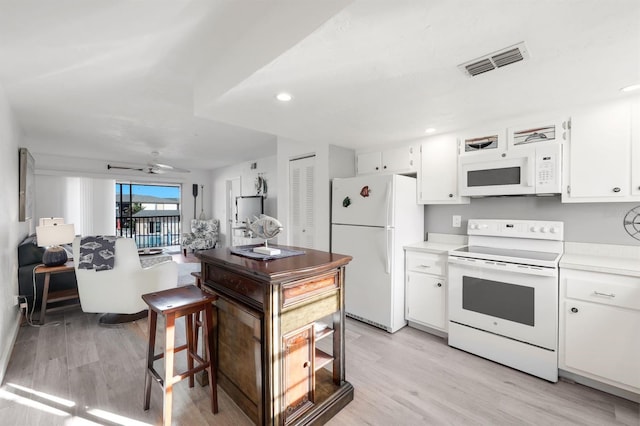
52	236
49	221
55	235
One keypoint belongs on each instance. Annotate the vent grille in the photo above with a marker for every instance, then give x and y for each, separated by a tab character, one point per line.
480	67
495	60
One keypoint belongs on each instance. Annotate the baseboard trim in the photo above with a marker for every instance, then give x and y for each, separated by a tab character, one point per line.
601	386
8	349
429	330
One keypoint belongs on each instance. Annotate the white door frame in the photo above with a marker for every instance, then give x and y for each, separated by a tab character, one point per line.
233	188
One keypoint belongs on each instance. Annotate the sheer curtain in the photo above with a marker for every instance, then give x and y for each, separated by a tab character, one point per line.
88	203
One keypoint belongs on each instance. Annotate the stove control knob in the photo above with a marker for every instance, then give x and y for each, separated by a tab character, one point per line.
533	229
553	230
544	229
473	226
483	226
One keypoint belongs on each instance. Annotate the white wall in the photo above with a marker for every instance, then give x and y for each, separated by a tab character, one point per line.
331	161
266	166
67	171
11	232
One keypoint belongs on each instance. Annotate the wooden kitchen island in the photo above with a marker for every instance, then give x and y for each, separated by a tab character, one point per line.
276	360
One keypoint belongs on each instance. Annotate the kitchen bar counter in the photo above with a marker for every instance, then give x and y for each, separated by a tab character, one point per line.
607	258
267	327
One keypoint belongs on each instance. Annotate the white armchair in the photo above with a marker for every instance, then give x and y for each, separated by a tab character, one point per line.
119	290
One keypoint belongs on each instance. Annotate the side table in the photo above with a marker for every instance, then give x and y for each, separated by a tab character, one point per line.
57	296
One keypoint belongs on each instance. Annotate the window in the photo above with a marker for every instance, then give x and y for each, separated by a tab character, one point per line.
150	214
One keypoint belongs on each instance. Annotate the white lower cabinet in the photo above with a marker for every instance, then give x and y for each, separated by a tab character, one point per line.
600	327
426	290
425	300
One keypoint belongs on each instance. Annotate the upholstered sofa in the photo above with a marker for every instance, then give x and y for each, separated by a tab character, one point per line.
30	256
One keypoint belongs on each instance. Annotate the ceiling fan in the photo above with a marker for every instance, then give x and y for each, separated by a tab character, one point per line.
153	167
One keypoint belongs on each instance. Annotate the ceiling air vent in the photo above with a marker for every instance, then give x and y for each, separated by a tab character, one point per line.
495	60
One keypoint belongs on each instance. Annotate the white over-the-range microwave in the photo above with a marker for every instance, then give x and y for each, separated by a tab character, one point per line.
531	168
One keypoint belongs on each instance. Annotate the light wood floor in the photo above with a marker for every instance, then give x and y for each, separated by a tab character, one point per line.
408	378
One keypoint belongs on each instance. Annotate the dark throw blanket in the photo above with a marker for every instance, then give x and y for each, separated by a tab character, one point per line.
97	252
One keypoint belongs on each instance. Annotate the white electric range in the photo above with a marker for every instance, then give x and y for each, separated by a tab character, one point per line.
503	293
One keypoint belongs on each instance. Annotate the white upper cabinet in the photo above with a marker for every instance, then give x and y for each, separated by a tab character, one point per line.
395	160
599	164
438	171
369	162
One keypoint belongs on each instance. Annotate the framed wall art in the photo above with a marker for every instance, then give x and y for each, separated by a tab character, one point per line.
27	185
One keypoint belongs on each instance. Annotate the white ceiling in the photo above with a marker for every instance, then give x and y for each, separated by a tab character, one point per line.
195	80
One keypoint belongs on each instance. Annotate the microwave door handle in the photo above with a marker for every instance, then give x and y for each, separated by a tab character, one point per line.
531	172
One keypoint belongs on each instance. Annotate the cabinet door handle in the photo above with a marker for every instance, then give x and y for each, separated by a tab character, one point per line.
450	195
574	310
439	284
597	293
616	189
306	364
425	266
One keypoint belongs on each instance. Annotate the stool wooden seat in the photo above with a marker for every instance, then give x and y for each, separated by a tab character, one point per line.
187	301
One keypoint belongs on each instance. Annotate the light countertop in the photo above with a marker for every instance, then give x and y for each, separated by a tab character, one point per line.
438	243
607	258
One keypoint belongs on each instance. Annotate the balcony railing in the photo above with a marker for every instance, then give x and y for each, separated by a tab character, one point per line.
151	231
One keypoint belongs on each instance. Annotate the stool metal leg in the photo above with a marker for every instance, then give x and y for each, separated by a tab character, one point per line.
169	355
153	320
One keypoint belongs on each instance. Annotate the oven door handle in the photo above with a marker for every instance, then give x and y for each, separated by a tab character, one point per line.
503	266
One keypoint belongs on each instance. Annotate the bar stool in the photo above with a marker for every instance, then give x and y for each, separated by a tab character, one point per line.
202	377
187	301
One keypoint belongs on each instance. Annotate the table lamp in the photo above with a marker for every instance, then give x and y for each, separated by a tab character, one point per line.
51	236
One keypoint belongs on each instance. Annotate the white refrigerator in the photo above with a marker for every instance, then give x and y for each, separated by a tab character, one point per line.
372	218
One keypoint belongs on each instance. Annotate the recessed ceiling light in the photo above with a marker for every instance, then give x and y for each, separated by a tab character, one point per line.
284	97
630	88
429	130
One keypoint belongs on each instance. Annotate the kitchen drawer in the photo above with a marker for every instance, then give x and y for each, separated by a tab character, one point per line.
606	289
427	263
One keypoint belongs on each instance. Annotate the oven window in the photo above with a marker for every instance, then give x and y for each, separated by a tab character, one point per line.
497	299
490	177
